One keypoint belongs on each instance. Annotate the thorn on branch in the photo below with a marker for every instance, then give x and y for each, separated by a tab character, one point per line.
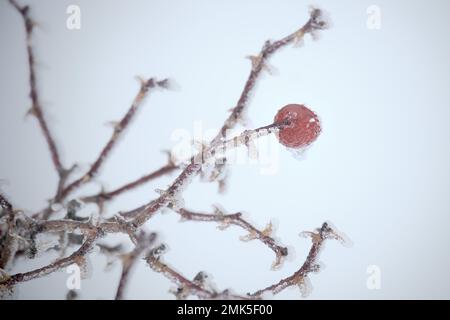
127	227
317	19
258	62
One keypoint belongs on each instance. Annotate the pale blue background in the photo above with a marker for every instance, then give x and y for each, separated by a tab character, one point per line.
379	171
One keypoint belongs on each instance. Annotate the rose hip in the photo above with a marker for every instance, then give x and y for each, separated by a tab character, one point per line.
303	127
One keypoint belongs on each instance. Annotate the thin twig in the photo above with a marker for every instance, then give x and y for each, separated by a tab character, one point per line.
237	220
103	196
54	266
186	287
129	260
36	108
310	264
118	129
167	196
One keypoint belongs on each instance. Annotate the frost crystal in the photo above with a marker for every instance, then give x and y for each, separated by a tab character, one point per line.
305	286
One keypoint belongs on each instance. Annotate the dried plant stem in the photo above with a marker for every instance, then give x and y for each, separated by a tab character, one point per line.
57	265
118	129
187	287
298	278
36	108
162	201
237	220
219	149
103	196
144	243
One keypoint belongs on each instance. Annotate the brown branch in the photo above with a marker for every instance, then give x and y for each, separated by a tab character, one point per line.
186	287
52	267
102	196
118	129
310	264
167	196
129	260
114	225
237	220
219	149
36	108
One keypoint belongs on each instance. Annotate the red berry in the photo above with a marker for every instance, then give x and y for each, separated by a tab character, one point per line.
303	128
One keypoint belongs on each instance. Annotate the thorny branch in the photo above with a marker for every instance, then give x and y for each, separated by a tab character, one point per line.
36	108
18	227
196	287
77	257
236	219
200	288
119	127
101	197
310	265
129	260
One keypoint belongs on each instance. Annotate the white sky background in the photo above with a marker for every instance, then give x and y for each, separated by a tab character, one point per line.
379	171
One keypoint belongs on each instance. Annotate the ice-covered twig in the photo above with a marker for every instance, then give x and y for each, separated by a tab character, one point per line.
310	265
36	108
186	287
101	197
54	266
144	243
182	181
218	149
236	219
119	128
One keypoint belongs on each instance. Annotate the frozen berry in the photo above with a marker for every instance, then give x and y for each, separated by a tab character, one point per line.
303	126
